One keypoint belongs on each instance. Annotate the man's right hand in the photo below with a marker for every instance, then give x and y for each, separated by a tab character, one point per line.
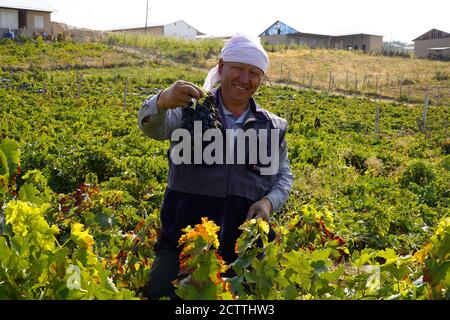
178	94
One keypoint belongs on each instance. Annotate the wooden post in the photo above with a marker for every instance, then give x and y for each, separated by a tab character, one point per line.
438	97
409	93
125	92
364	82
288	115
376	85
289	75
303	83
334	83
377	118
346	81
311	81
329	83
401	86
424	113
281	72
356	83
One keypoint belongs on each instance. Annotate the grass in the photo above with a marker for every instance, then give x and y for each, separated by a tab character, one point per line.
353	73
149	72
61	55
405	78
202	53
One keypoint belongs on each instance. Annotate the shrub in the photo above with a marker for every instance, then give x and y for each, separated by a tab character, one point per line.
374	165
419	173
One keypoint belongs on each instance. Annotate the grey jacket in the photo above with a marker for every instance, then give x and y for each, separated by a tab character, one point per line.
228	179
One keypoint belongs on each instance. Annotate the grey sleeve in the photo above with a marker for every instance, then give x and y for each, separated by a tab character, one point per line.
280	190
158	125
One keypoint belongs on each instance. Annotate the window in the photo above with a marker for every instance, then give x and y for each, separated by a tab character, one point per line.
9	19
39	22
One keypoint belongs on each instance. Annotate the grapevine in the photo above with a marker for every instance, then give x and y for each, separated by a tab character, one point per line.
81	188
204	110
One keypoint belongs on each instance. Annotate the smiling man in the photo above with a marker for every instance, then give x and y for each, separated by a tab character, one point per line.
227	193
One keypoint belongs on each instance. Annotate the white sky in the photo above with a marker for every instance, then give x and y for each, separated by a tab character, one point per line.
402	20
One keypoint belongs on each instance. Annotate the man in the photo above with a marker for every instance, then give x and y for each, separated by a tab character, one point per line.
226	192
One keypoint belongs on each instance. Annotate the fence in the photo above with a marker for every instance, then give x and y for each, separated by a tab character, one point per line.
410	88
121	92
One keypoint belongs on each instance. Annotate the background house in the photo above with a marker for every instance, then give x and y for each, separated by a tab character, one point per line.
278	28
24	17
432	43
178	29
361	41
281	33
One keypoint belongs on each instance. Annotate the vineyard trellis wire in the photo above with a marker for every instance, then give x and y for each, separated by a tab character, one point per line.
407	89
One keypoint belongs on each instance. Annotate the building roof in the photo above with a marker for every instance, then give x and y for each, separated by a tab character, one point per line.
299	33
306	34
154	25
274	24
439	49
35	5
433	34
358	34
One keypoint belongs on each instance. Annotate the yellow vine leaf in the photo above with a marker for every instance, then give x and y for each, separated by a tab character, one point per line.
82	238
28	220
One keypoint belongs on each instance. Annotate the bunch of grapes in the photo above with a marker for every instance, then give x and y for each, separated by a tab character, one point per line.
204	110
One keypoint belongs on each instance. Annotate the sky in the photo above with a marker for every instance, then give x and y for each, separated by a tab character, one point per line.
401	20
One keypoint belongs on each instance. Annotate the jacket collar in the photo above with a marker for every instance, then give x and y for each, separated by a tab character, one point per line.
258	112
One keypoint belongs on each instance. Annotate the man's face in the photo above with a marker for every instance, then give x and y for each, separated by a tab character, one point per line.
239	81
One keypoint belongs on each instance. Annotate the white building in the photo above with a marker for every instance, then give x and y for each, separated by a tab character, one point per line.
179	29
24	17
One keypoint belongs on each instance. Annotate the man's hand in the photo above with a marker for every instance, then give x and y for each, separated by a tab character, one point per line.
178	94
260	209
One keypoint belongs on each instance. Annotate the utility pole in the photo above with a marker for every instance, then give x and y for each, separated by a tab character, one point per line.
146	17
390	43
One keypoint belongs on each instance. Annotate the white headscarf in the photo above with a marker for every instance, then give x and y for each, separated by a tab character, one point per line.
240	48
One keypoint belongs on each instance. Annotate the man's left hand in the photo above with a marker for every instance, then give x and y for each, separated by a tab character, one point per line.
260	209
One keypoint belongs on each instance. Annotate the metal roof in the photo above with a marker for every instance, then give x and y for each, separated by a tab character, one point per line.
36	5
433	34
439	49
153	24
316	34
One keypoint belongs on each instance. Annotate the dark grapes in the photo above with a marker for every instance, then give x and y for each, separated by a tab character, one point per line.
204	110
